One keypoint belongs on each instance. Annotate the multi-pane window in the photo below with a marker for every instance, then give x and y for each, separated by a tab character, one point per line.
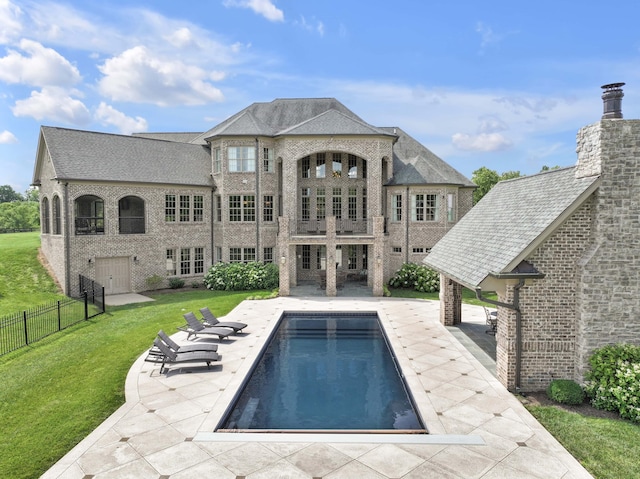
337	203
353	166
171	262
417	250
267	255
424	207
235	255
306	256
364	204
321	257
198	260
364	169
44	207
242	208
337	165
396	249
396	207
267	160
306	165
185	261
320	165
304	204
353	256
217	161
184	207
451	207
352	204
241	159
242	255
218	208
321	204
198	208
218	253
267	208
57	223
170	208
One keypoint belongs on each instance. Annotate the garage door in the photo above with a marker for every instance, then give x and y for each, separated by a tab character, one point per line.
114	274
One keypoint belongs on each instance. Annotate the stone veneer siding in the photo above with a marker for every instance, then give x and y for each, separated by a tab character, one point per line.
548	309
608	299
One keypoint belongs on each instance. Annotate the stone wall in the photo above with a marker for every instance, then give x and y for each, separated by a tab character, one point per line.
608	299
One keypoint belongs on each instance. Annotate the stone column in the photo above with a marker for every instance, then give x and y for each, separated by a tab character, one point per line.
283	258
332	289
450	301
378	252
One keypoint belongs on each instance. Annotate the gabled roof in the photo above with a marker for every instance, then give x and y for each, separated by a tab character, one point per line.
87	155
414	164
291	116
513	219
184	137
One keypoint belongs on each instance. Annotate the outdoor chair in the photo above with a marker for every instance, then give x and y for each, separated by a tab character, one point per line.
171	357
492	320
210	320
195	327
187	348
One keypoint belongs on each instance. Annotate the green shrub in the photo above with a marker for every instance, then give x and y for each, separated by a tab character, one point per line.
242	276
176	283
154	282
565	391
613	384
416	276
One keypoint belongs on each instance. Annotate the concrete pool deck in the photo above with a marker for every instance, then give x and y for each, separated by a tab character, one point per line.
477	428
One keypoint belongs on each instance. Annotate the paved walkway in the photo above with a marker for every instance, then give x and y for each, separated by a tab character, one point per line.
477	428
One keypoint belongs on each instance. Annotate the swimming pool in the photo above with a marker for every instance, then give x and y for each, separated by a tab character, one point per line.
324	372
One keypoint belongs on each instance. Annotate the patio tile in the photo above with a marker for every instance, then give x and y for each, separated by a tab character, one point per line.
247	458
139	469
353	470
102	459
460	460
318	460
282	470
468	414
207	469
433	471
156	440
177	458
528	460
391	460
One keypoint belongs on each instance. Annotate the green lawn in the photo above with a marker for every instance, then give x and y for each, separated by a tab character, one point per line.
56	391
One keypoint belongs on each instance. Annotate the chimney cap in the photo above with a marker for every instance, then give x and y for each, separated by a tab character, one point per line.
612	86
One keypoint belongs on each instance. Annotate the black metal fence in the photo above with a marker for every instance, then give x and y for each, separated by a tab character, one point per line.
25	327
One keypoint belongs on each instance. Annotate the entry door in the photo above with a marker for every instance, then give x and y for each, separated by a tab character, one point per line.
114	274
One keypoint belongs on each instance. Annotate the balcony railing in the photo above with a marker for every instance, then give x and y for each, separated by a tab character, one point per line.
343	227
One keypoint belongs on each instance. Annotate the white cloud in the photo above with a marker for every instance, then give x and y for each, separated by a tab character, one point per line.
181	38
138	76
10	26
266	8
41	67
126	125
7	137
314	26
481	142
53	104
491	124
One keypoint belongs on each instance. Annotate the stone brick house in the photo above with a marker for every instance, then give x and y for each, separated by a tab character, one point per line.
562	251
304	183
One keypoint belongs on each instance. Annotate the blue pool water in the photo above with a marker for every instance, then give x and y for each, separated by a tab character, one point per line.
329	371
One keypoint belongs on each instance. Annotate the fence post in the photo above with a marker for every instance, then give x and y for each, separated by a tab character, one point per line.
59	320
86	305
104	305
26	331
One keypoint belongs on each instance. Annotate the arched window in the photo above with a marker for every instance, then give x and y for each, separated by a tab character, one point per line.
131	215
44	214
57	229
89	215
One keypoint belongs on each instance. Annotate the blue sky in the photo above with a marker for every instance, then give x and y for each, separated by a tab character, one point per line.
502	84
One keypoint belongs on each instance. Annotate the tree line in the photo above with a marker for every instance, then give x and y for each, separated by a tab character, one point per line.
19	212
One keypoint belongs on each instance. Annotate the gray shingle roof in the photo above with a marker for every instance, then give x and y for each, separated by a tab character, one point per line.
184	137
414	164
273	118
513	217
86	155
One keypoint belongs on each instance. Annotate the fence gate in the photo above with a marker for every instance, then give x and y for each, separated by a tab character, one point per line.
114	274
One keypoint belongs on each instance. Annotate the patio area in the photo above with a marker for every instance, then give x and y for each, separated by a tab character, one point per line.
477	428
